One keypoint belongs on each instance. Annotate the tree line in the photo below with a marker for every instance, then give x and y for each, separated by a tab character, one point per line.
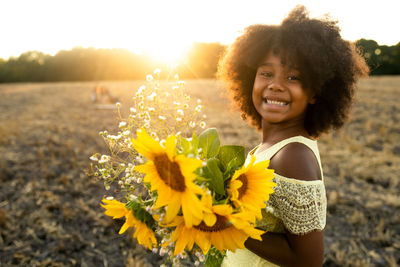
89	64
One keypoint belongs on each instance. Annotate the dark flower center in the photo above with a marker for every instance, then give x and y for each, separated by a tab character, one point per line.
242	190
170	172
220	224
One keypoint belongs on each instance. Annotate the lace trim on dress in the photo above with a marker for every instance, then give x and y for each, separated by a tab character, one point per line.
301	205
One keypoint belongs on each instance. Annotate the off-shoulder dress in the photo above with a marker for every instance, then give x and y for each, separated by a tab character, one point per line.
297	205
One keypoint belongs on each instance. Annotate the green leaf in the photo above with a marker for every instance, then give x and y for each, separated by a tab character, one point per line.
232	156
209	143
185	144
140	213
214	258
213	172
195	142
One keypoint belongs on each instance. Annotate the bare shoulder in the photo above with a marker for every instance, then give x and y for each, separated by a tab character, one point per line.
297	161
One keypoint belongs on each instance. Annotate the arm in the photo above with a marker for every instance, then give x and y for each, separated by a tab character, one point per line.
290	249
295	161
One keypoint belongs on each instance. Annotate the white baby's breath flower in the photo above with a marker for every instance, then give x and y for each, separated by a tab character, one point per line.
187	97
175	87
104	159
94	158
198	101
186	105
202	258
146	125
153	134
180	112
151	97
162	142
192	124
157	71
114	137
184	254
126	133
139	159
122	124
204	116
141	105
163	251
140	90
181	83
118	104
179	119
149	77
162	118
176	104
133	110
202	124
151	109
198	108
176	77
110	198
270	209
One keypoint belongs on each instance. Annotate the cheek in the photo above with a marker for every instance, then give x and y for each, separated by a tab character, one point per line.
255	96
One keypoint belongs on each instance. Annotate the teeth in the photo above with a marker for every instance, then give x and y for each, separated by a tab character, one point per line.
274	102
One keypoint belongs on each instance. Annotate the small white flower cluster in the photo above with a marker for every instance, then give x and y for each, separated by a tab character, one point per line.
152	109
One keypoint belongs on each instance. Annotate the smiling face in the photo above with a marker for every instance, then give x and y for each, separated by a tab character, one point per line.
278	95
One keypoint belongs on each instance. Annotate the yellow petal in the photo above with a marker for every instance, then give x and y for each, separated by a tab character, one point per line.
222	209
209	219
173	209
170	144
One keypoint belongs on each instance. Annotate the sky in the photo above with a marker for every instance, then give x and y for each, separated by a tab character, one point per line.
167	28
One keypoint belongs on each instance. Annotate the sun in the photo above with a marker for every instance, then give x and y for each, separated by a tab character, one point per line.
167	52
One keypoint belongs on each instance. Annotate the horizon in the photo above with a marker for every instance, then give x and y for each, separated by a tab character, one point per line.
166	29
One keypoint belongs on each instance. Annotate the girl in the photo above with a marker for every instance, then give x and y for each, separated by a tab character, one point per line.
293	82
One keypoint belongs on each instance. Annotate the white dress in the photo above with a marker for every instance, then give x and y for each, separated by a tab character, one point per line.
297	205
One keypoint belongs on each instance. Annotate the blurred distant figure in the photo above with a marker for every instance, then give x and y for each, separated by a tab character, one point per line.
101	95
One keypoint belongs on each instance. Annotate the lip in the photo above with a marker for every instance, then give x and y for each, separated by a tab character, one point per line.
274	101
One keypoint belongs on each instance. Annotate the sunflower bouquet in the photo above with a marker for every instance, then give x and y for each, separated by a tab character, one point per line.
186	195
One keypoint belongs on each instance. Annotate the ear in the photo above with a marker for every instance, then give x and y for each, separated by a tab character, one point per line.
312	100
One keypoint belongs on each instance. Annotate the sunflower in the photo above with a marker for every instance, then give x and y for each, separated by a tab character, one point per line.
172	176
251	186
114	208
143	234
229	231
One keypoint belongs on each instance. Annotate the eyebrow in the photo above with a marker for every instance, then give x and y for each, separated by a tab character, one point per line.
267	64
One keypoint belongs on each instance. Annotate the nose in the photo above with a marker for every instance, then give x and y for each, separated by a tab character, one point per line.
276	85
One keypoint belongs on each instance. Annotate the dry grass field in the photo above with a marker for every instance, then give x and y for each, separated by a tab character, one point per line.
49	208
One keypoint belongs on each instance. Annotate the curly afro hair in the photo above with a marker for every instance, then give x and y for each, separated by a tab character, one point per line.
329	67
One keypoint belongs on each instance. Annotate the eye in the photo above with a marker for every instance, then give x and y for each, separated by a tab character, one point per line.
266	74
293	78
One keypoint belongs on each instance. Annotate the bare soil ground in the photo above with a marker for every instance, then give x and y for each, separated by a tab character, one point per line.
49	207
